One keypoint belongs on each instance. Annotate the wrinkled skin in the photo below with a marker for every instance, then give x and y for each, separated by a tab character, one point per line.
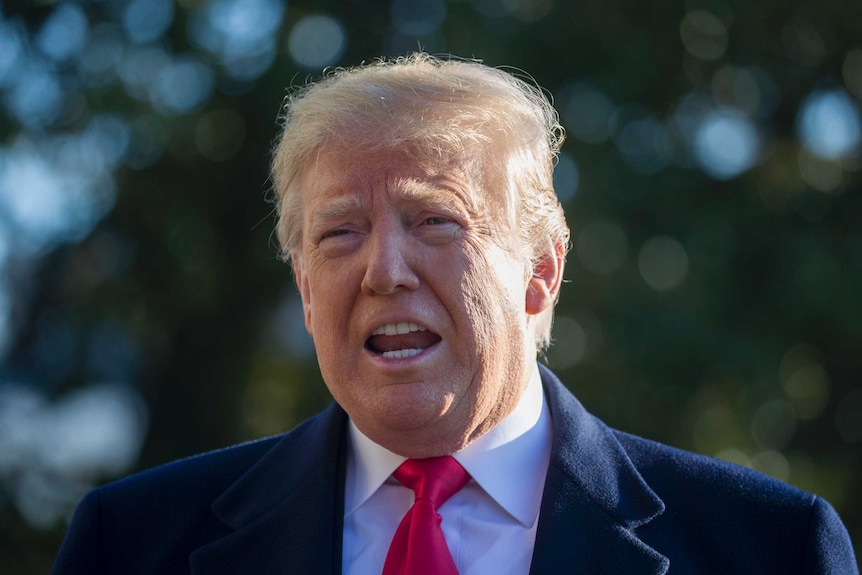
387	240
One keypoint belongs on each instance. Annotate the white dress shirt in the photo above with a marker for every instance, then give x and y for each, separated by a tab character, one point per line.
490	525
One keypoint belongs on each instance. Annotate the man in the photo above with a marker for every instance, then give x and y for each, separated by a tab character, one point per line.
417	208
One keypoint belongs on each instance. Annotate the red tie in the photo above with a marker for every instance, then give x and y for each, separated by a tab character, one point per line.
418	547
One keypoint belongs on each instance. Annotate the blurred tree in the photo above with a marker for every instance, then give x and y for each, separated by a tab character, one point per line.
711	180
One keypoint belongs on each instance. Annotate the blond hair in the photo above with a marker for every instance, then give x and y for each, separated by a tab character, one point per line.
437	107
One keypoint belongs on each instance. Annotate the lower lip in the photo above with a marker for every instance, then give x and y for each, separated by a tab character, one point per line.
402	361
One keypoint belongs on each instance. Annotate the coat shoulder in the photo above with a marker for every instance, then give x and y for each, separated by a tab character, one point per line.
212	472
664	466
199	474
152	521
716	510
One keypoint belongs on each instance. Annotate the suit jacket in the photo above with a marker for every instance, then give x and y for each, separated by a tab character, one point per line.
613	503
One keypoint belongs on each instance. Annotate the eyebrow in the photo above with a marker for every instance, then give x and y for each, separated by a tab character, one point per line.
431	192
339	207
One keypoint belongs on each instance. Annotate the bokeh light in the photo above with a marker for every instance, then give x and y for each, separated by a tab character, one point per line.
823	174
64	198
803	42
663	263
241	34
572	343
774	424
567	177
35	95
50	451
147	20
11	49
773	463
182	86
726	144
586	112
828	124
102	56
703	35
139	68
317	42
751	90
64	33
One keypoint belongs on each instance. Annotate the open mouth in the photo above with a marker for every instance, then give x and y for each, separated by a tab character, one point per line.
400	340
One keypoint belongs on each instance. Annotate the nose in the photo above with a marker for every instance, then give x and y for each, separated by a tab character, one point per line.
389	262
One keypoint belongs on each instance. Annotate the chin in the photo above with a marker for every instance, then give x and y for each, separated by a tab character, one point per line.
411	416
413	424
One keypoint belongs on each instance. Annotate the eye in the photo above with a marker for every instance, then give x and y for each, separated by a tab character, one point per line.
335	233
436	221
438	229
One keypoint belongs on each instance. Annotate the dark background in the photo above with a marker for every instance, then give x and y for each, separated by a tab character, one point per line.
711	181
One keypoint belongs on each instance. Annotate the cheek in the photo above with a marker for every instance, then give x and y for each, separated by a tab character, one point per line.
326	309
493	292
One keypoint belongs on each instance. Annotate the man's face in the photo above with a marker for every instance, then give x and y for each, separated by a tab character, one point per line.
417	297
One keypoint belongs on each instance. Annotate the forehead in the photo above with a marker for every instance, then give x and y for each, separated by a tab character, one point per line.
353	176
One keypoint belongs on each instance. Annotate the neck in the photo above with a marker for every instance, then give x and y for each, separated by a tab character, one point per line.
444	438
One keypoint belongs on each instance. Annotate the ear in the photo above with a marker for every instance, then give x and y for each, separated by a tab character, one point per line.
544	285
304	291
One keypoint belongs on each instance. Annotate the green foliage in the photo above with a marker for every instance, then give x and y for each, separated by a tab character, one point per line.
718	314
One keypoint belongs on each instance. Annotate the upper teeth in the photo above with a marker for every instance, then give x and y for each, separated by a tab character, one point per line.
397	328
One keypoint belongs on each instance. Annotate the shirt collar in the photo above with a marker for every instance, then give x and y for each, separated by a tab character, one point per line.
509	461
369	465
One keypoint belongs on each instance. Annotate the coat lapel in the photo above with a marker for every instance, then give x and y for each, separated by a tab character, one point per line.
286	513
594	498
